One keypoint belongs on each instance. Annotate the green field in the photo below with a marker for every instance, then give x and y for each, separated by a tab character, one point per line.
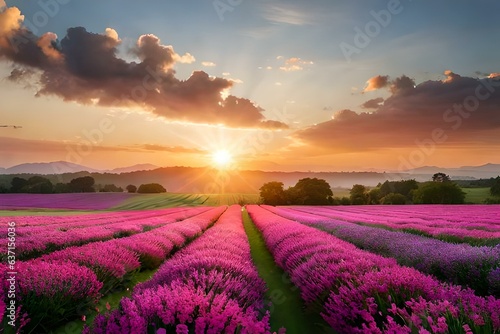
476	195
168	200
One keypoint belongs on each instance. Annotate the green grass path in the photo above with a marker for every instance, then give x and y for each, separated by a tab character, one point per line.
287	306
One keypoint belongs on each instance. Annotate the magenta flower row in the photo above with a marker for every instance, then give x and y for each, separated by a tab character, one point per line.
360	292
39	239
474	267
211	286
66	281
462	221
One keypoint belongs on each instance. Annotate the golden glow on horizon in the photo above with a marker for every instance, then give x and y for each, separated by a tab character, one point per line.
222	158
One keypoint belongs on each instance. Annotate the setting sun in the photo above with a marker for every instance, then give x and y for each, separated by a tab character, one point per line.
222	158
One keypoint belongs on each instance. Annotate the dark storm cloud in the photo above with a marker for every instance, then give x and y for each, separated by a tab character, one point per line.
84	67
467	110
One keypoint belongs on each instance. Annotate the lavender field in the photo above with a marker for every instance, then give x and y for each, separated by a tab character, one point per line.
201	270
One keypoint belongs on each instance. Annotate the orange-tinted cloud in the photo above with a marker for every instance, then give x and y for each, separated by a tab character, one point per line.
294	64
464	111
84	68
377	82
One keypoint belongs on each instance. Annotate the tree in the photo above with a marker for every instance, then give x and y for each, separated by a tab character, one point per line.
394	198
151	188
272	193
17	184
83	184
62	188
495	188
111	188
374	196
131	188
358	195
404	187
439	193
38	185
440	177
312	192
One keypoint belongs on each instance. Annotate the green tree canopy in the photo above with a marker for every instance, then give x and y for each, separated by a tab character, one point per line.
404	187
151	188
440	177
439	193
272	193
17	184
313	191
131	188
84	184
394	198
358	195
495	188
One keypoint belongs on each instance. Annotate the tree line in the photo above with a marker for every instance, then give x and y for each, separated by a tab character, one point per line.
441	190
84	184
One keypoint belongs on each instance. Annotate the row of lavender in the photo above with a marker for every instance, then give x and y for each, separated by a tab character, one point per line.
58	286
458	221
211	286
46	235
360	292
474	267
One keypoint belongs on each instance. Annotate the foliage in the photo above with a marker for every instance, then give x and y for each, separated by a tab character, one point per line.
131	188
439	193
34	185
394	198
111	188
312	192
151	188
404	187
272	193
307	191
359	195
84	184
440	177
495	188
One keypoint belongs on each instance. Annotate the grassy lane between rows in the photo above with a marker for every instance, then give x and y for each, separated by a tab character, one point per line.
287	308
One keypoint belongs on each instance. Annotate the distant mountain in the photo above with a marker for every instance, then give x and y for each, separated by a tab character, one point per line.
45	168
62	167
465	172
133	168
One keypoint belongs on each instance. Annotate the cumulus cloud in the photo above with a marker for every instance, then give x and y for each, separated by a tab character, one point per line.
373	103
464	110
84	67
208	64
294	64
377	82
110	32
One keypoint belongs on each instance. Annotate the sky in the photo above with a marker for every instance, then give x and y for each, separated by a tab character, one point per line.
274	85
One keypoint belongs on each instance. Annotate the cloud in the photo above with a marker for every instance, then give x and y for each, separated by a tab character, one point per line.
208	64
295	64
171	149
110	32
373	103
286	14
14	145
463	110
84	68
377	82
